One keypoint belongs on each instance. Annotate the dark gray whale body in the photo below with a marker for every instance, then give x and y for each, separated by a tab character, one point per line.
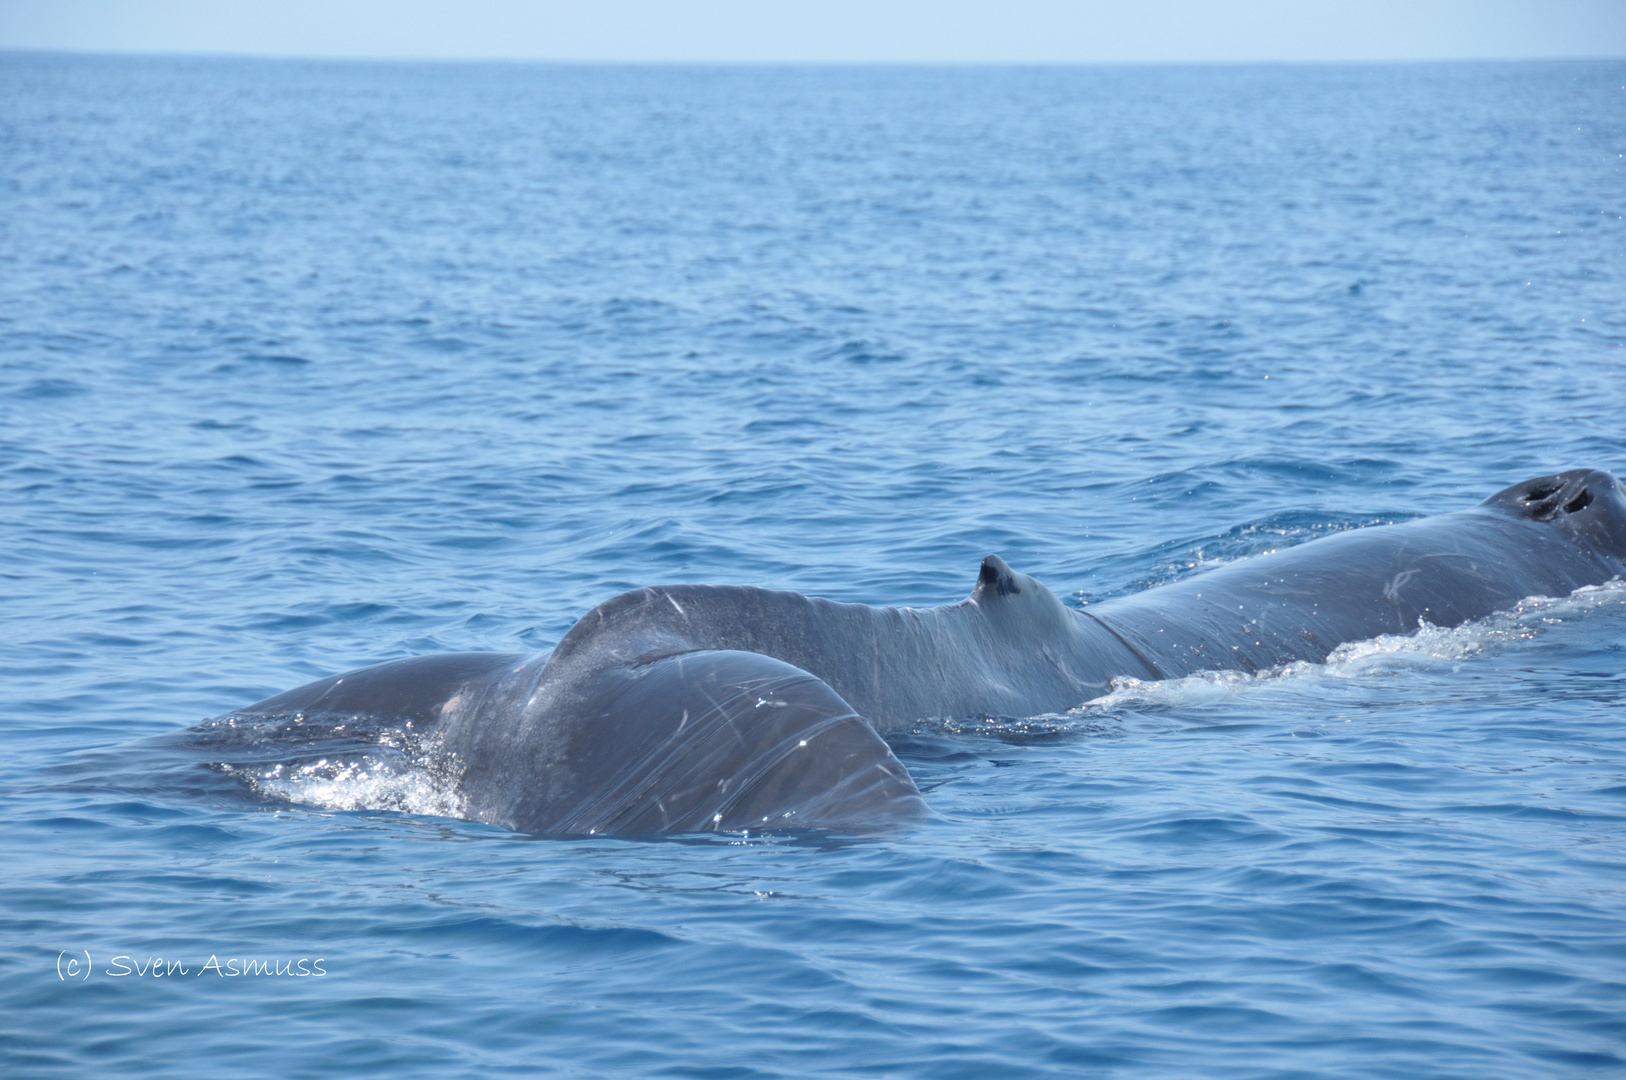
693	707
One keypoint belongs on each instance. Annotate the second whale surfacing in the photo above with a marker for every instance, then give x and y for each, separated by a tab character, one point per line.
696	707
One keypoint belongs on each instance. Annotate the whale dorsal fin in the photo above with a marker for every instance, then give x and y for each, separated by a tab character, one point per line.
1001	589
996	580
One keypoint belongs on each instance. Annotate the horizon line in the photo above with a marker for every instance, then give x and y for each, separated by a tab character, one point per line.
210	54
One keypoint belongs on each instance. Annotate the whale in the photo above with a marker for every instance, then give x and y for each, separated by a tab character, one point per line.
696	708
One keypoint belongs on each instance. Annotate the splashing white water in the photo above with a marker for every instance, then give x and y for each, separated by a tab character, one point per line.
420	782
1375	656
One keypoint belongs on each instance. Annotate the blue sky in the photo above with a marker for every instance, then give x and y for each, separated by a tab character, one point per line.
834	30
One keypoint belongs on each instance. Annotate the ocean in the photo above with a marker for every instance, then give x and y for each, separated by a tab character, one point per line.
308	365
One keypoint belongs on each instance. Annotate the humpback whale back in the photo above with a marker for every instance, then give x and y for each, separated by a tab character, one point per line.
695	707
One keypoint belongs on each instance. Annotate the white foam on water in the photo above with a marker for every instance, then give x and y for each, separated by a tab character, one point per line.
412	783
1374	656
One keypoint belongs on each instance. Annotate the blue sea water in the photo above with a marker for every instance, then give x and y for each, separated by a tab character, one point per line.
309	365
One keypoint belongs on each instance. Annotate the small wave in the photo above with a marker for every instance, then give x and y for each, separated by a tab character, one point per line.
1358	659
1021	730
1182	559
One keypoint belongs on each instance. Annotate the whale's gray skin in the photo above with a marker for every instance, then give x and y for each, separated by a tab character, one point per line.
694	707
